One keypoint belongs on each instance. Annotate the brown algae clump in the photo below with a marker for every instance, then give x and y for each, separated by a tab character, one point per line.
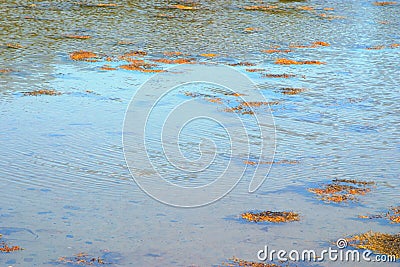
271	216
377	242
285	61
82	259
292	91
235	262
83	37
8	249
83	56
342	190
384	3
260	8
284	75
174	61
42	92
393	215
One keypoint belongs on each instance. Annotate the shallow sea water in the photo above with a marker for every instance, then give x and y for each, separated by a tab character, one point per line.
65	187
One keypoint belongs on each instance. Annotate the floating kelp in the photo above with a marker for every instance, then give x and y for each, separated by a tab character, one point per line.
385	3
245	108
140	65
13	45
42	92
285	61
82	259
313	45
307	8
208	55
7	249
174	61
393	215
236	262
376	47
377	242
83	56
342	190
5	70
72	36
261	7
292	91
182	7
271	216
4	247
274	50
284	75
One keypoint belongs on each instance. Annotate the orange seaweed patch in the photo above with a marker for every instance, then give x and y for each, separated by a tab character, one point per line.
82	259
342	190
182	7
236	262
135	53
14	45
271	216
82	55
107	5
71	36
393	215
262	8
384	3
208	55
271	51
382	243
327	16
7	249
174	61
5	70
292	91
394	45
258	103
309	8
329	8
376	47
320	43
42	92
285	61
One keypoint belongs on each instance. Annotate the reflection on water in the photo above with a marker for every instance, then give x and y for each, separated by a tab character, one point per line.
64	182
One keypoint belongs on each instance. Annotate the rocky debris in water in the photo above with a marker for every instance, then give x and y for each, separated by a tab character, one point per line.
377	242
83	56
393	215
42	92
342	190
271	216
